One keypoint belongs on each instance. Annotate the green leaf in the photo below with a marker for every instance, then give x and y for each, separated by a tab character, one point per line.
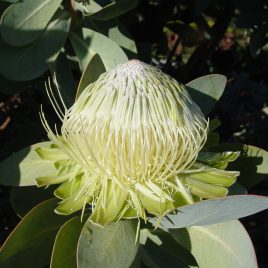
87	43
24	166
119	34
252	163
206	90
29	62
30	244
23	199
220	245
65	246
24	21
92	72
214	211
160	249
114	9
64	80
116	31
111	246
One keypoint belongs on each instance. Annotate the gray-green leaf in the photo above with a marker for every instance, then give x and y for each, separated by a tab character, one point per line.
28	62
25	20
206	90
221	245
92	72
87	43
213	211
24	166
111	246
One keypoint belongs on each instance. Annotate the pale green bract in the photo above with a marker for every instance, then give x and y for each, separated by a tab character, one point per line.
129	147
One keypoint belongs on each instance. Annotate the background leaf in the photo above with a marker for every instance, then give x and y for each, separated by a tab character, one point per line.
30	243
24	166
111	246
213	211
207	90
92	72
87	43
28	62
220	245
258	39
65	246
25	20
113	9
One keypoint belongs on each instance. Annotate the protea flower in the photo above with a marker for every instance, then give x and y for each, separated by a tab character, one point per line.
129	147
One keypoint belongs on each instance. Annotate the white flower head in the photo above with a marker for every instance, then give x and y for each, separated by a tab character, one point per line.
126	145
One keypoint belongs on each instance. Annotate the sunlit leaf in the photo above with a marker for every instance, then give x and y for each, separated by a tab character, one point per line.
87	43
215	210
220	245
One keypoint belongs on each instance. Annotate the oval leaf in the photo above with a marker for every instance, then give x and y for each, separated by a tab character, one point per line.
220	245
65	246
214	211
92	72
116	31
30	244
206	90
87	43
111	246
29	62
24	166
24	21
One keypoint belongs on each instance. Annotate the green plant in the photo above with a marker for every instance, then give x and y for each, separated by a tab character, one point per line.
197	229
196	225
